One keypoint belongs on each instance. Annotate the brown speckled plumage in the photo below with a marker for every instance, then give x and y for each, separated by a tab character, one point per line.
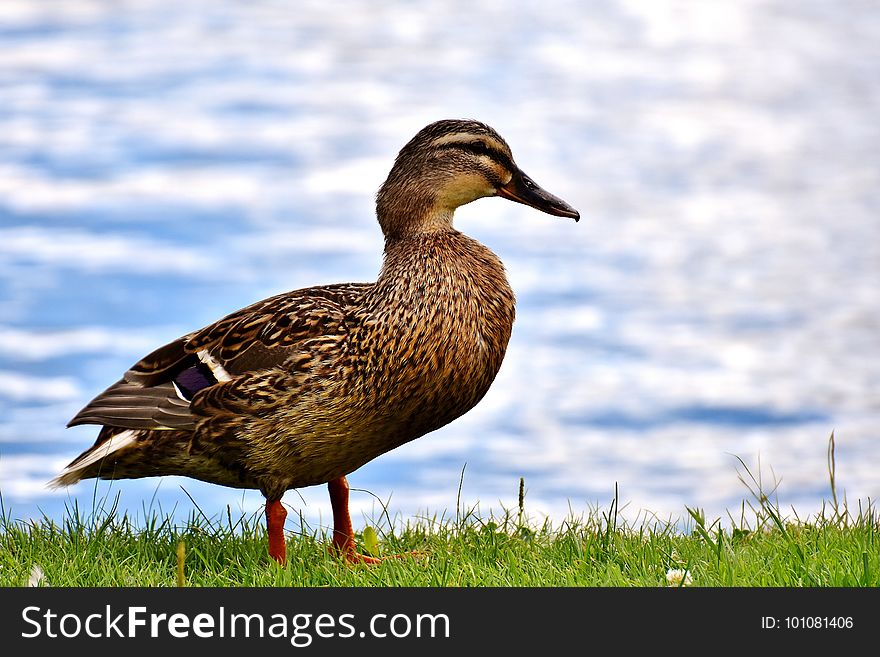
305	387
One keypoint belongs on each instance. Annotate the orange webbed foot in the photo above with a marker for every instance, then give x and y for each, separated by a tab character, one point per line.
345	550
343	533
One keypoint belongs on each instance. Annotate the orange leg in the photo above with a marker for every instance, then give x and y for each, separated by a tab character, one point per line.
275	516
343	533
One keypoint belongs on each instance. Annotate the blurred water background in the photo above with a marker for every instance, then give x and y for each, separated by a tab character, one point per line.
165	163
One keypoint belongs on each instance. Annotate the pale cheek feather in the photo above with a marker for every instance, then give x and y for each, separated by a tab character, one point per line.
466	188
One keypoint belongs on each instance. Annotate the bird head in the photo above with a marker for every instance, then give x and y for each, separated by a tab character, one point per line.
448	164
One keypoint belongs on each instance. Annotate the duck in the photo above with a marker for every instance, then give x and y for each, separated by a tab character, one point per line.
305	387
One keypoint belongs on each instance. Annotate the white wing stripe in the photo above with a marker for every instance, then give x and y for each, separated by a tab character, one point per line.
216	368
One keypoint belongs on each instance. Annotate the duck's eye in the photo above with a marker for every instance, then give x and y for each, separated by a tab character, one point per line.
479	148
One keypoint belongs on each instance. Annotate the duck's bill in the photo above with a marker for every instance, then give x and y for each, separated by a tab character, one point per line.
523	189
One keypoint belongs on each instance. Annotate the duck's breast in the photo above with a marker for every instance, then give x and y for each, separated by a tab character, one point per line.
438	331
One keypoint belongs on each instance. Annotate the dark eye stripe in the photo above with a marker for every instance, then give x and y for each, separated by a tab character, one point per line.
480	148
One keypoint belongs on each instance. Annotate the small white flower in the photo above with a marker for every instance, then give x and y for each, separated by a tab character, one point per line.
678	577
37	577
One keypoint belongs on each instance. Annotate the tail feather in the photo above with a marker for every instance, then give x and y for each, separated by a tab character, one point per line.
75	471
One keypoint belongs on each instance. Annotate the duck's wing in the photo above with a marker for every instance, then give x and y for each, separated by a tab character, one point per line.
158	391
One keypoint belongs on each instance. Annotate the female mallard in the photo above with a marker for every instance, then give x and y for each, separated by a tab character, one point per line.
305	387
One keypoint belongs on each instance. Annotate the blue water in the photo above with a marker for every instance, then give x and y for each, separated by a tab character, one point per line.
162	165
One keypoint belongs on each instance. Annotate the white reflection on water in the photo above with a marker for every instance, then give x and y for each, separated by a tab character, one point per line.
161	165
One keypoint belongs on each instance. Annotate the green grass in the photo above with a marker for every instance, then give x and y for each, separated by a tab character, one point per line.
758	547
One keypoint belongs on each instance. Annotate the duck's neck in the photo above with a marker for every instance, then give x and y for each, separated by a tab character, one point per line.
406	208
